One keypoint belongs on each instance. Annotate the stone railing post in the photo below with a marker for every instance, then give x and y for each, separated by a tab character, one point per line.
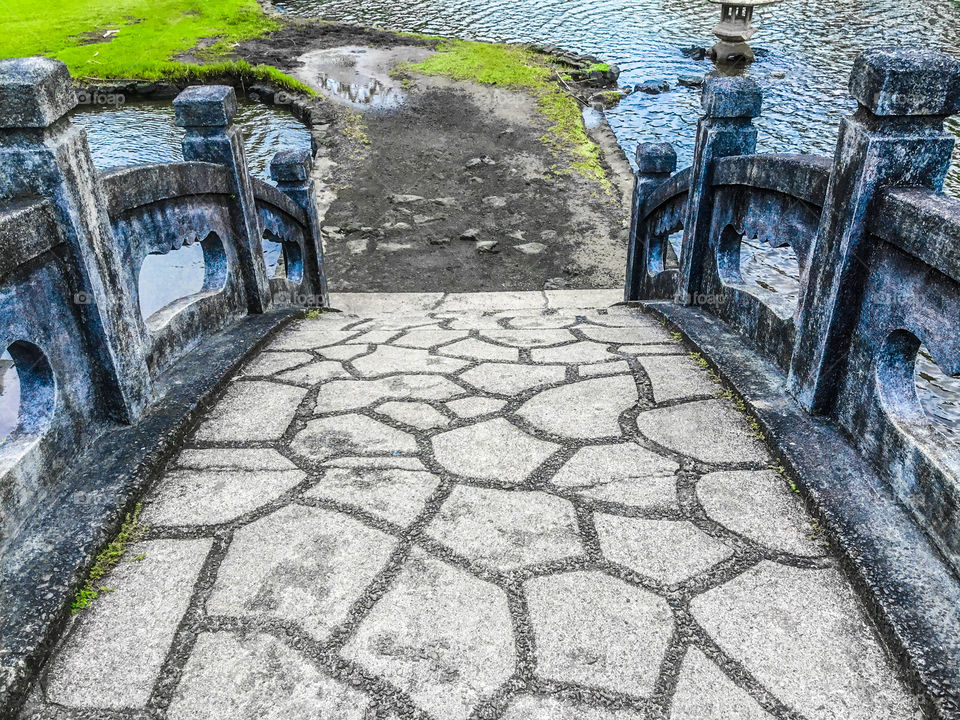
655	163
43	153
290	169
207	114
895	138
729	104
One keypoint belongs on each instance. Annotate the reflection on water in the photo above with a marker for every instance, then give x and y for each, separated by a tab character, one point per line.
9	396
145	132
805	51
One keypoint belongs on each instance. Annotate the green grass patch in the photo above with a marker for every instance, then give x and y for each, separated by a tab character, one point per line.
129	533
142	37
518	68
596	67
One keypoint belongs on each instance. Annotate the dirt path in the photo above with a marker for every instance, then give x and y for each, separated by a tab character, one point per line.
424	162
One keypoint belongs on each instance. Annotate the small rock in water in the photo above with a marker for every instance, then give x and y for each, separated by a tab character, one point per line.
482	160
557	283
487	246
403	199
517	235
427	219
548	235
398	226
531	248
697	53
442	241
778	75
475	179
653	87
690	80
494	201
445	201
471	234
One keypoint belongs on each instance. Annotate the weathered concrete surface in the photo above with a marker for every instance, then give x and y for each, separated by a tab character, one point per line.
483	566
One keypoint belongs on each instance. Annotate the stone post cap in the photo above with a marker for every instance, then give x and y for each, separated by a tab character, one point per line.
35	92
656	158
906	81
731	97
291	166
205	106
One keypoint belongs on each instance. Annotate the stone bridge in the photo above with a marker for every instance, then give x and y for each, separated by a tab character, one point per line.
702	502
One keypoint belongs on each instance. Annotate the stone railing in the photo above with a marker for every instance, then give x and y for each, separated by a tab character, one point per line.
877	248
72	245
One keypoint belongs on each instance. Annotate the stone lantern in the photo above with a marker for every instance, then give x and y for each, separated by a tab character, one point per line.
734	30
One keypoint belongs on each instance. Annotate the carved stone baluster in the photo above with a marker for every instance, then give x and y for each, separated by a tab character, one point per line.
655	163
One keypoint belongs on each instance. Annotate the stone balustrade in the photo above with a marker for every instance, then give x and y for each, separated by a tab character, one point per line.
876	244
73	244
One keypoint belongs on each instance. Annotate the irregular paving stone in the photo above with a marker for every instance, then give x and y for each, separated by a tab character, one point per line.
258	676
529	338
387	359
575	299
113	655
758	505
474	349
430	338
580	352
344	352
673	349
483	301
617	367
598	631
254	410
439	634
310	336
300	564
705	693
349	435
541	321
512	379
470	407
585	409
211	496
416	414
338	396
374	337
668	551
397	495
314	373
677	377
268	363
633	334
390	461
803	635
708	430
493	450
528	707
506	530
626	474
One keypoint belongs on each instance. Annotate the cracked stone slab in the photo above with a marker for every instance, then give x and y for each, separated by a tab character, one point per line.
506	530
344	352
802	634
578	352
129	645
527	707
576	299
340	395
484	301
708	430
634	334
673	378
252	410
396	462
758	505
258	676
374	337
349	435
668	551
270	363
316	372
529	338
626	473
441	635
494	450
416	414
213	496
598	631
299	564
705	693
308	335
394	494
474	349
674	349
471	407
512	379
387	359
430	338
540	321
585	409
616	367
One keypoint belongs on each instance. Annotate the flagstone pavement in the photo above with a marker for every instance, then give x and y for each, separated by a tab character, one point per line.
527	506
